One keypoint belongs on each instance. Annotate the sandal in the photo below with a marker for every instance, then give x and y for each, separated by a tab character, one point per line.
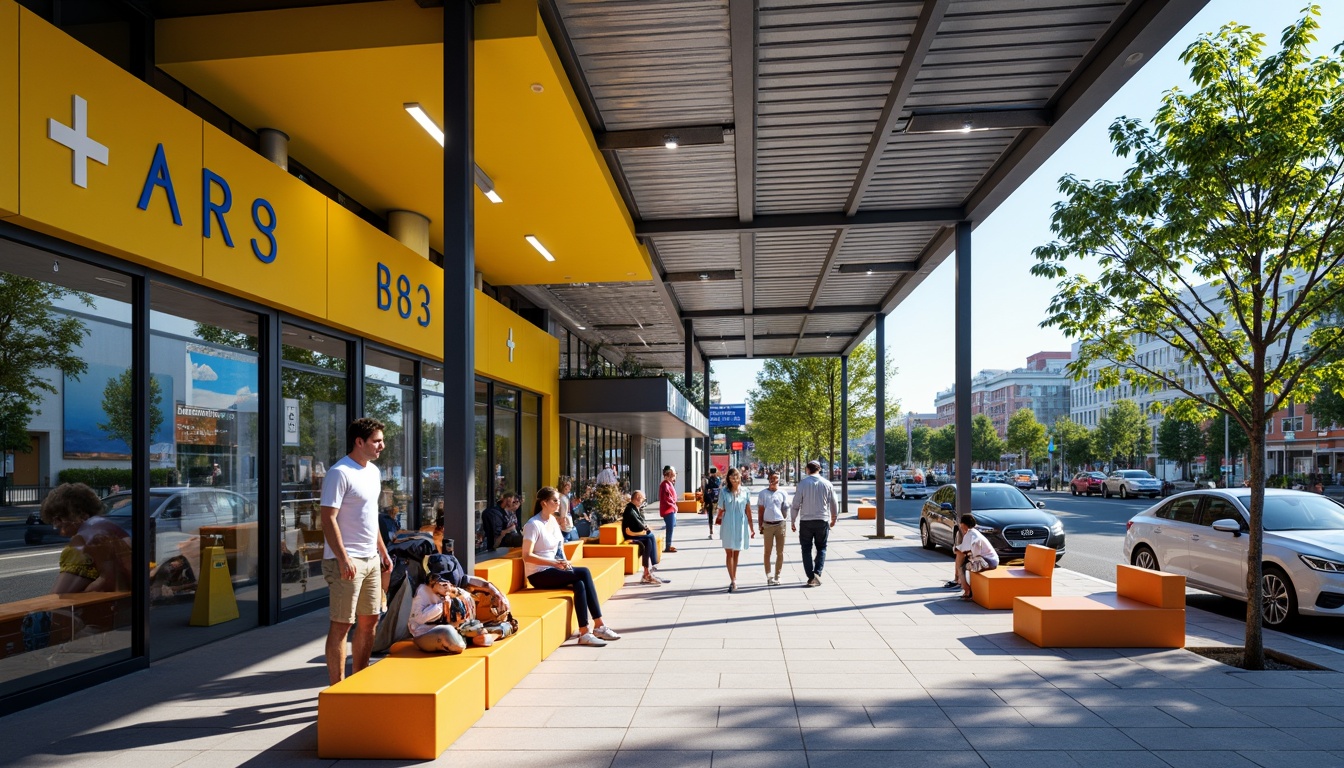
966	597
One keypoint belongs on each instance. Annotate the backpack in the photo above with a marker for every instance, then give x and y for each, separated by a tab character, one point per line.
712	489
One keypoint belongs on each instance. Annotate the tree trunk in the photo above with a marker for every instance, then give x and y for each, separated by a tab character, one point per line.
1254	655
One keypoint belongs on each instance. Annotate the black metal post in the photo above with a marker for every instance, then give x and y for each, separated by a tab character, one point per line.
141	546
271	512
962	367
880	437
689	326
844	433
459	280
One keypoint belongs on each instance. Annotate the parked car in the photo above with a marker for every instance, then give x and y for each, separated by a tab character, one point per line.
907	488
38	532
1131	482
1086	483
178	514
1023	478
1007	517
1199	535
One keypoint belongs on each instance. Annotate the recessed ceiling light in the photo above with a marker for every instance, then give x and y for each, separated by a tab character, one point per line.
1134	58
486	185
670	141
538	87
417	112
581	328
535	243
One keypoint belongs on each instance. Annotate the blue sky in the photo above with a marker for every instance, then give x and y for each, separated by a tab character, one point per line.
1008	303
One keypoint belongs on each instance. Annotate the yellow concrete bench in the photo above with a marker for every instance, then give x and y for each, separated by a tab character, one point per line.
688	505
401	708
689	496
555	608
1147	610
506	662
627	553
996	589
867	512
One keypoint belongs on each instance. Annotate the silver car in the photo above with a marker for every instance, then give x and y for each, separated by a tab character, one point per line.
1201	536
1128	483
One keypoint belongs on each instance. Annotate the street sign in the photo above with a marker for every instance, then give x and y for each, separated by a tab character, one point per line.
737	446
727	415
751	445
1289	435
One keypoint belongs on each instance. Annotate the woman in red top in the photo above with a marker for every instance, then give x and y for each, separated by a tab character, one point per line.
667	506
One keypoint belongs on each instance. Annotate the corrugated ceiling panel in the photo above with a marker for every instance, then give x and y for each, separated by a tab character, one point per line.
718	327
846	323
654	63
933	168
781	291
772	326
791	253
687	253
885	244
714	294
773	348
843	289
688	182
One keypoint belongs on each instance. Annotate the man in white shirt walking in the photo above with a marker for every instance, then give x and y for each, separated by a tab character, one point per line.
354	555
813	499
974	553
772	506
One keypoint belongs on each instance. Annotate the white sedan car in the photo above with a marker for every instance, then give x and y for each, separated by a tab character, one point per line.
1128	483
1201	535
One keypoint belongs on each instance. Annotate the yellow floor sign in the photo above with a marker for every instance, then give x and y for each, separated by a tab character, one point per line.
215	602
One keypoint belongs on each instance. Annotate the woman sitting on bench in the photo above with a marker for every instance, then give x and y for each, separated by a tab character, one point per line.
546	568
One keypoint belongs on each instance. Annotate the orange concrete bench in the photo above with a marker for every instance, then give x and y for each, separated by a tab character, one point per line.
867	512
1147	610
506	662
689	496
401	708
688	505
996	589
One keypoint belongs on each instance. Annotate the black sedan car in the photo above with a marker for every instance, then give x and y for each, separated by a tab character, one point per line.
1006	516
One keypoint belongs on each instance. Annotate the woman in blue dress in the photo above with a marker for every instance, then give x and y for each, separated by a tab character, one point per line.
734	520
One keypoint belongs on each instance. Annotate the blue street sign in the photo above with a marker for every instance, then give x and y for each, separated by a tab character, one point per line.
727	415
1051	448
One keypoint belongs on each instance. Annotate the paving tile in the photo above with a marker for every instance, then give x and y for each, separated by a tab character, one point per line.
887	759
1058	738
675	717
758	717
1266	759
1318	738
1209	759
1130	759
1206	739
763	759
1036	759
1211	716
508	740
884	739
971	717
834	717
751	739
636	758
1061	717
909	717
549	758
1136	717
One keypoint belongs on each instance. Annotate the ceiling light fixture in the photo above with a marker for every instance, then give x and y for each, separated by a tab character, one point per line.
535	243
978	120
487	186
417	112
878	266
670	141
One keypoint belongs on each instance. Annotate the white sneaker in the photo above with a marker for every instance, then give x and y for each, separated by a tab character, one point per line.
588	638
710	536
654	580
606	633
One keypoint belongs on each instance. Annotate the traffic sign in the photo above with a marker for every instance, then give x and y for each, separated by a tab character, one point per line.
727	415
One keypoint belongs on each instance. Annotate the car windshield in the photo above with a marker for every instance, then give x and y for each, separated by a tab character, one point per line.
1138	473
1003	497
1305	512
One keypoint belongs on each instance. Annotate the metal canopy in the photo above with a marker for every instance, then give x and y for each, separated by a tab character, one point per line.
819	202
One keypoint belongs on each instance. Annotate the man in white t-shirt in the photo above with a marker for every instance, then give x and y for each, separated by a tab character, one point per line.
974	553
354	556
772	510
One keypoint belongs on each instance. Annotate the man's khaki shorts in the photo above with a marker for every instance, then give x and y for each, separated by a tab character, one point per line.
362	596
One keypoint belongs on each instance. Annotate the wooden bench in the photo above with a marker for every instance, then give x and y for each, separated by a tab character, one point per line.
996	589
1147	610
402	707
69	613
867	512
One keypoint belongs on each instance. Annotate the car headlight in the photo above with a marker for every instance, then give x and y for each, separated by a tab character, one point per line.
986	529
1057	528
1321	564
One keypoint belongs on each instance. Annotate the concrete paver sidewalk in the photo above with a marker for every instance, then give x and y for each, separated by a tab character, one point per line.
878	666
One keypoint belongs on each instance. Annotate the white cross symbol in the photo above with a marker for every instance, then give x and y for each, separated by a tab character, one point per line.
510	345
77	139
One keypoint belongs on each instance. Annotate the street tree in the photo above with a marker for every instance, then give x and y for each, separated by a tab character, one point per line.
919	444
943	445
1224	240
1180	440
1224	432
1026	436
117	400
34	336
1122	433
985	443
1073	442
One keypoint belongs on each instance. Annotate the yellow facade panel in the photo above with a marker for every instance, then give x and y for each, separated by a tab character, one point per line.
381	289
265	231
9	108
512	350
104	159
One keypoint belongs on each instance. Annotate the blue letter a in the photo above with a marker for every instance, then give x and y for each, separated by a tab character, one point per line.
159	177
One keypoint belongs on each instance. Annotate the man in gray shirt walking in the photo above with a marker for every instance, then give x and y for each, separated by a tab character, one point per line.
813	499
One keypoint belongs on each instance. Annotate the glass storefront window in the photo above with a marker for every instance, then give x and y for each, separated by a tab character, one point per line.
313	385
431	443
529	470
389	397
482	487
205	438
65	328
505	448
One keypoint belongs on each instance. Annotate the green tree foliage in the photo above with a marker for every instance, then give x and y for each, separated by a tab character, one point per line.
1214	432
1026	437
117	402
943	444
1327	407
1181	441
985	443
33	336
1073	442
1236	185
1122	433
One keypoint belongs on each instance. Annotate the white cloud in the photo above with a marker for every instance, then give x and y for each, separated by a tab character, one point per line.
203	372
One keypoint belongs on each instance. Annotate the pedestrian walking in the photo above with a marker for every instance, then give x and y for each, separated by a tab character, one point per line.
710	497
354	556
735	525
811	502
772	507
667	505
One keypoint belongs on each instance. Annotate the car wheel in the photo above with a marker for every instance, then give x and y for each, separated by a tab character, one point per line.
926	536
1105	492
1144	558
32	538
1279	601
1124	492
1073	490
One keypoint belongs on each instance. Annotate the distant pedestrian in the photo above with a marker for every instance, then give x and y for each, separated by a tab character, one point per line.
974	554
667	505
772	509
565	514
354	556
710	496
608	476
736	529
813	499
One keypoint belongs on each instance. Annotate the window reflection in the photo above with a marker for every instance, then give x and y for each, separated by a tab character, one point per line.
389	397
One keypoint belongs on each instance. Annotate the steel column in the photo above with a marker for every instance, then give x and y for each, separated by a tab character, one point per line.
880	438
269	458
705	441
459	278
962	387
844	433
689	326
141	548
